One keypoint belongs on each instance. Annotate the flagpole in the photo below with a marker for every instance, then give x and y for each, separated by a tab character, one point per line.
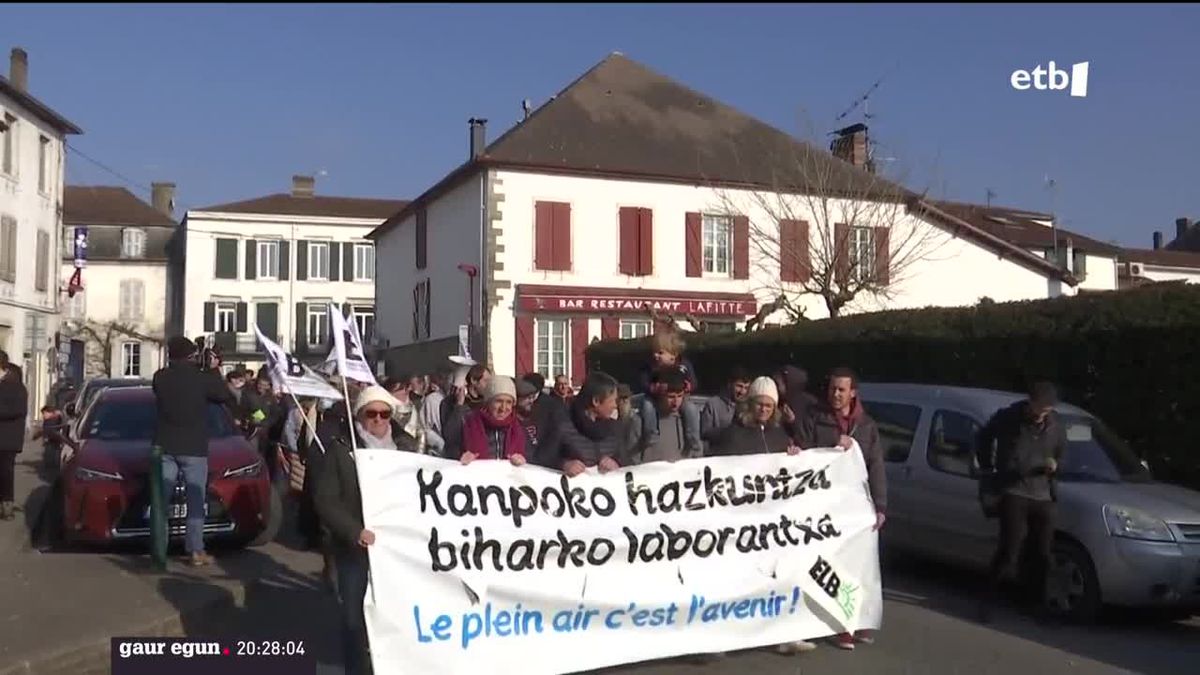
350	415
307	422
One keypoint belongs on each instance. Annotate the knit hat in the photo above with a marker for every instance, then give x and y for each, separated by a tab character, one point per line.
764	386
374	394
500	385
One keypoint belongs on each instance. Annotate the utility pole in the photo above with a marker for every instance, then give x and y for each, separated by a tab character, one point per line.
1052	186
990	194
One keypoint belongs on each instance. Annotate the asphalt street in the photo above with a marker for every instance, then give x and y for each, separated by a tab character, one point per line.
928	628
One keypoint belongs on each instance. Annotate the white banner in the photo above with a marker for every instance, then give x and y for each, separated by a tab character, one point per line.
348	351
290	375
502	569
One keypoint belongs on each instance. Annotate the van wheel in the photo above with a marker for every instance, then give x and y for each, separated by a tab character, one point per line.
274	520
1072	587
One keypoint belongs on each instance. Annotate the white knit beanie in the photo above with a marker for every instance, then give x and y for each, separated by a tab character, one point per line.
374	394
764	386
500	385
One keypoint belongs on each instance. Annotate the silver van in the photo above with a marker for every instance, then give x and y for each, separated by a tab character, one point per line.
1123	539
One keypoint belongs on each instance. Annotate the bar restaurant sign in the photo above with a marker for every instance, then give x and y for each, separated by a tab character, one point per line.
623	301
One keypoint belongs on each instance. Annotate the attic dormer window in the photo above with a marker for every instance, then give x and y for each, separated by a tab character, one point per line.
133	243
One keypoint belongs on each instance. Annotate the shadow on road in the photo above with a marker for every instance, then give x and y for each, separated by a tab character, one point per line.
1132	640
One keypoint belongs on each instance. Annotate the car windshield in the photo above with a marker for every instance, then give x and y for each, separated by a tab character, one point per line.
1095	453
96	386
135	421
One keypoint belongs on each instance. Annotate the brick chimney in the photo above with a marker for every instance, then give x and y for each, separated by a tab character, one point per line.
1157	240
1182	225
303	186
18	69
478	136
162	198
851	145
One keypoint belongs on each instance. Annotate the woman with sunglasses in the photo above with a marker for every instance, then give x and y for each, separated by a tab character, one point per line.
493	431
339	506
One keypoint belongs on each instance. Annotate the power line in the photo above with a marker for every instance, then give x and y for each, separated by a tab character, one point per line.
129	181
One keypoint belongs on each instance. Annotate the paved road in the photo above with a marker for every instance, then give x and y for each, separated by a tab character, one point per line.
927	630
274	592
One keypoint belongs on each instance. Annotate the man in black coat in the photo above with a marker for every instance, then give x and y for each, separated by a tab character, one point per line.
14	408
182	394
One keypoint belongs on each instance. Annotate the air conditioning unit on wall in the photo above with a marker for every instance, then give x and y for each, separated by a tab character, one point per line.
1136	269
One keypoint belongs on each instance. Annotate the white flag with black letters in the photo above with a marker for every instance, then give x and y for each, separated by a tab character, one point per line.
290	375
348	349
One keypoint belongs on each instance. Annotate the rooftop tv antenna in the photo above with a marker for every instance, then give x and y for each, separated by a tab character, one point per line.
991	194
1052	186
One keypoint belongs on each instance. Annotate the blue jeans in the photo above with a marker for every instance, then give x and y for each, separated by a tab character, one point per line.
691	424
352	570
195	479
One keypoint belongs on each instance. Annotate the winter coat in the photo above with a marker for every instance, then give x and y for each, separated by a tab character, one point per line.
821	429
14	408
740	439
182	394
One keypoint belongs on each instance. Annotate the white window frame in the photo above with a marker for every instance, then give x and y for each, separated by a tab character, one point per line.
318	316
544	361
716	245
131	359
267	259
43	165
225	314
360	313
132	300
133	243
8	146
364	262
861	247
635	328
318	252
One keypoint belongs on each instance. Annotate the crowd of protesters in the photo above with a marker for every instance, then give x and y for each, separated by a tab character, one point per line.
478	415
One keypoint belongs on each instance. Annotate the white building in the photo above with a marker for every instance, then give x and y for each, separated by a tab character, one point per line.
277	261
32	145
628	192
1177	261
117	323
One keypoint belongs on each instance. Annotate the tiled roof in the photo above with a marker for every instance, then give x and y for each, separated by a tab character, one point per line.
43	111
107	205
331	207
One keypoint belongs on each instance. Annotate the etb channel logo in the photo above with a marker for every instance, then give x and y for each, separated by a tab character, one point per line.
1053	78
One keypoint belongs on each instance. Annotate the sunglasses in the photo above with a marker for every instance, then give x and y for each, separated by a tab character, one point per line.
376	414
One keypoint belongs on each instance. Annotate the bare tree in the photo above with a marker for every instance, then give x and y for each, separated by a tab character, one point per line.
826	228
101	339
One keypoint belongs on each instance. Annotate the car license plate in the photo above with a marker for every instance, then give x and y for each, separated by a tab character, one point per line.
175	511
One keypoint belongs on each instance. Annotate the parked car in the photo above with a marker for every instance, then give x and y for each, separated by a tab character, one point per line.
104	486
1122	538
76	407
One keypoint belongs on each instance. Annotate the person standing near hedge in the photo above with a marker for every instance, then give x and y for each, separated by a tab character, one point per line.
719	411
1023	444
835	423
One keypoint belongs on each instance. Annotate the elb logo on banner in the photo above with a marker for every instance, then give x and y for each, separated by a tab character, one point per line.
1053	78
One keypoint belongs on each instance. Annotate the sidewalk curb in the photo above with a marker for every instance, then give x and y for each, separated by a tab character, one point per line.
94	656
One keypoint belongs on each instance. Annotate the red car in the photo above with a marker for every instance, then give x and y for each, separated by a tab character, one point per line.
106	495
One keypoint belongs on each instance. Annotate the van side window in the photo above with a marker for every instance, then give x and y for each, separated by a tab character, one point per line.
952	442
897	427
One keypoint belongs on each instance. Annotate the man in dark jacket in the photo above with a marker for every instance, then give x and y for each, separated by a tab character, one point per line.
14	408
795	402
590	436
458	403
182	394
545	413
1023	444
719	412
835	423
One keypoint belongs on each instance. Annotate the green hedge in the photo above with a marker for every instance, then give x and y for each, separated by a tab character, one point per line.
1130	357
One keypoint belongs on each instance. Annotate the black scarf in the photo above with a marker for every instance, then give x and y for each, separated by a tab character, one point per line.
594	429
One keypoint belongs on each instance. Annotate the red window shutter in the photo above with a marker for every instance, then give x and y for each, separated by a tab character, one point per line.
543	233
645	242
693	245
524	344
579	343
628	219
841	252
788	269
883	256
562	237
741	247
803	255
610	328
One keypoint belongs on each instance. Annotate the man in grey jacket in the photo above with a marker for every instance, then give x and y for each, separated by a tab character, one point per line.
719	411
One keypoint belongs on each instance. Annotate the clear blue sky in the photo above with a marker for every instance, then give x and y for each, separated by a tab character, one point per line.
229	101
